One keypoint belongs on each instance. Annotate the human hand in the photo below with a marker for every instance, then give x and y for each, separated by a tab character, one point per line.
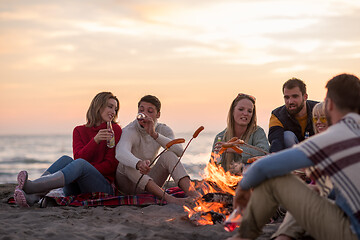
234	150
241	198
149	125
218	146
103	134
143	166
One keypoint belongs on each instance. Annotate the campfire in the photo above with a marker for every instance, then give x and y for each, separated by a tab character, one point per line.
218	189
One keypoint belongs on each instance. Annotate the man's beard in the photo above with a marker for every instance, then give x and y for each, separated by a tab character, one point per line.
327	115
296	110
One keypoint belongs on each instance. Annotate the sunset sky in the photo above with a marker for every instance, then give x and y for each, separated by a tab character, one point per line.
196	56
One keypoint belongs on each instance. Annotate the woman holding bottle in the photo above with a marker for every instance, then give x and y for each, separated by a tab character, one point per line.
94	167
241	123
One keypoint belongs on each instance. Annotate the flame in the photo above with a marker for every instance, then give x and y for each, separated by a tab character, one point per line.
224	180
225	183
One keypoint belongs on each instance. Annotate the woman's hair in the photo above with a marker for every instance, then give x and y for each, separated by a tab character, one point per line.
251	127
97	105
230	130
319	109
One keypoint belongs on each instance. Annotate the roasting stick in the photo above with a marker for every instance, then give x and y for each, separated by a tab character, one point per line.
235	148
256	148
235	142
168	145
196	133
241	142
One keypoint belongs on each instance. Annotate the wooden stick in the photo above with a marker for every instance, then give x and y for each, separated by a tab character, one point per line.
168	145
256	148
196	133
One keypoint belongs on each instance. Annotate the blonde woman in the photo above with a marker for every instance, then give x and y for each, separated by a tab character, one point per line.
241	123
94	167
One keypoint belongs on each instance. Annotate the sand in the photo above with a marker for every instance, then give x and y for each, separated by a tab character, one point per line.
122	222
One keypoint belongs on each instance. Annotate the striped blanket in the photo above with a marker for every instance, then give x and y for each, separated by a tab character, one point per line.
104	199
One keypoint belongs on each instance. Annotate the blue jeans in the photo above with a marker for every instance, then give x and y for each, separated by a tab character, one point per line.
290	139
80	176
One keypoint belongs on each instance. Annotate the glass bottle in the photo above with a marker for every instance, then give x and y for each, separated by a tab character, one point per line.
233	221
141	116
307	135
217	157
111	142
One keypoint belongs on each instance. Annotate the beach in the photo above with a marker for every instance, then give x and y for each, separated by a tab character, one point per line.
36	153
102	222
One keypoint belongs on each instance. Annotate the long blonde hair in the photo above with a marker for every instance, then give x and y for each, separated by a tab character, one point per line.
318	109
97	105
230	129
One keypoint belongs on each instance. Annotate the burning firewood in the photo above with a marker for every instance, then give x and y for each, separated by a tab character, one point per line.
210	217
218	189
223	198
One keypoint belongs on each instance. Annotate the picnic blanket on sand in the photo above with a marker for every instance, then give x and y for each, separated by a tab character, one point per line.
104	199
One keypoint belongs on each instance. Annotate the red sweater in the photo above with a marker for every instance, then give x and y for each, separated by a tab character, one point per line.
99	155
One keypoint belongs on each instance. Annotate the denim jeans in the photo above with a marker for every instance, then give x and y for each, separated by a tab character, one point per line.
80	176
290	139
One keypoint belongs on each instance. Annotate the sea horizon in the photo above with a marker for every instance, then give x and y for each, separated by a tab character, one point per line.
36	152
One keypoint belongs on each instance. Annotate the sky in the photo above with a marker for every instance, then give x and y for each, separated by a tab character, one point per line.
196	56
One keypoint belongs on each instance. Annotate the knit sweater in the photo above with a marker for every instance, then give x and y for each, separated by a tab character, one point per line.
136	144
98	155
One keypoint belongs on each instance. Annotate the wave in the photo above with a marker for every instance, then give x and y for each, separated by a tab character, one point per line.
25	160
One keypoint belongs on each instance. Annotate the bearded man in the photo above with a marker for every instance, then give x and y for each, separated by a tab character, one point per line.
292	122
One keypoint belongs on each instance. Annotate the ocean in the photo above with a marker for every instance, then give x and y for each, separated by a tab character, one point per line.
36	153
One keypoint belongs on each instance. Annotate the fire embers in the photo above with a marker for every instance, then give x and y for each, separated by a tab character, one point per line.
212	208
209	218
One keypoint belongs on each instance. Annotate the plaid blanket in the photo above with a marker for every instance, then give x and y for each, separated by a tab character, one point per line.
104	199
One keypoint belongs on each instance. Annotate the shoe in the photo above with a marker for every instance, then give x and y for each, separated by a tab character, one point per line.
20	198
21	178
